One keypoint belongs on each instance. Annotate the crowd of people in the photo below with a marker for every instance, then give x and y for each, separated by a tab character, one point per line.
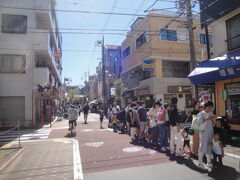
159	127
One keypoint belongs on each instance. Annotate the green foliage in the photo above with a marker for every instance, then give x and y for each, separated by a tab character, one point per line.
119	88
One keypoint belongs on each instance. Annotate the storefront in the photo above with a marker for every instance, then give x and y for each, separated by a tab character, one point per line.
228	99
144	95
129	97
183	93
224	71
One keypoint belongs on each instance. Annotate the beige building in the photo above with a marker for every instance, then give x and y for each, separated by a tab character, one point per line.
166	50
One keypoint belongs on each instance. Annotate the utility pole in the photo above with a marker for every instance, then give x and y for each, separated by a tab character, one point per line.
190	35
193	61
103	77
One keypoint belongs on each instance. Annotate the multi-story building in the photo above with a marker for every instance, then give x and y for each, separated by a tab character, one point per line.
223	70
113	69
30	56
93	88
156	59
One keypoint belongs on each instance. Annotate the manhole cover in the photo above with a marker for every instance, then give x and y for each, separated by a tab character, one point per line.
132	149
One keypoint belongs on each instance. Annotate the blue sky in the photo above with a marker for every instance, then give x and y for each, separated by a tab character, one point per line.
79	53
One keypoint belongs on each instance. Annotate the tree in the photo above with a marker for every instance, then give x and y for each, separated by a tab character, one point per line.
119	89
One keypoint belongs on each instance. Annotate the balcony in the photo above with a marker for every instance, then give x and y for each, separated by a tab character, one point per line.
44	50
47	19
41	75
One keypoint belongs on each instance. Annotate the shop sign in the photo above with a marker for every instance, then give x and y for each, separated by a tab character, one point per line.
233	88
180	89
234	91
113	92
148	65
142	91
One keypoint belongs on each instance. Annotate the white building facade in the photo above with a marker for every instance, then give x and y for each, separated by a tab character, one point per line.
30	55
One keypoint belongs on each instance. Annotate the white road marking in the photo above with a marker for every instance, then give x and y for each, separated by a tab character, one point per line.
132	149
232	155
78	174
87	130
95	144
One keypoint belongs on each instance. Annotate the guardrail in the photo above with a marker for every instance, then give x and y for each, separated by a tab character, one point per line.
12	129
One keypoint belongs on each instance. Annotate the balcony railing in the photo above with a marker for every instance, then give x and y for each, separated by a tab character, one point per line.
42	43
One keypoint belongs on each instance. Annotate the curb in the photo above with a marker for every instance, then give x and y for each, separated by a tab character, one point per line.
2	167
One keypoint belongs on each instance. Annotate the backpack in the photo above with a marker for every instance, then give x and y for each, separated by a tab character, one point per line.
161	115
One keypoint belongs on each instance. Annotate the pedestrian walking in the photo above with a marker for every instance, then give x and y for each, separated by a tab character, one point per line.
110	116
153	123
143	121
206	122
218	152
101	117
174	127
86	112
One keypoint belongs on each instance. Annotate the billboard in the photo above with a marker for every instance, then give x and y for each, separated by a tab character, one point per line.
212	10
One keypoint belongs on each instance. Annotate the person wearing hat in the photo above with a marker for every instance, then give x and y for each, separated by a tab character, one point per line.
174	125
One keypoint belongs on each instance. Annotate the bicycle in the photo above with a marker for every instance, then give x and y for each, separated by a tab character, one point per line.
72	128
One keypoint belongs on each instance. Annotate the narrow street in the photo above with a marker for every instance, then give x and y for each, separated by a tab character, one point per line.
49	153
102	154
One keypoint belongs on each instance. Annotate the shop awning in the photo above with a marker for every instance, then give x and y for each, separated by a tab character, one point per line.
217	69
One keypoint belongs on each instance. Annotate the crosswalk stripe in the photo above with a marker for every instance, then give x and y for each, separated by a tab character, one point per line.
25	135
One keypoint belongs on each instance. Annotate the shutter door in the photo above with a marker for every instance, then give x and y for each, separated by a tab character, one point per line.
12	109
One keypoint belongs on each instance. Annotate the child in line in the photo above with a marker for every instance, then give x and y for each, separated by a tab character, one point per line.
114	122
186	142
218	152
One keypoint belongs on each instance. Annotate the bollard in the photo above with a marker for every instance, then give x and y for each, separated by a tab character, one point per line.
19	135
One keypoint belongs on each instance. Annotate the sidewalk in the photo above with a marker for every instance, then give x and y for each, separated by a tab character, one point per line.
43	159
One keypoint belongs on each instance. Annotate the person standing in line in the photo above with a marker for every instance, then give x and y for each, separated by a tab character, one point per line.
127	117
143	120
195	145
110	116
153	123
134	122
86	112
161	121
206	122
174	126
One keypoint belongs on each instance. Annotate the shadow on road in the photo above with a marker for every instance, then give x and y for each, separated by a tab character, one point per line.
223	173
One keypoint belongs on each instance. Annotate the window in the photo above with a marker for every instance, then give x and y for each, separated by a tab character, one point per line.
203	40
141	40
168	35
12	63
126	52
14	23
176	69
233	33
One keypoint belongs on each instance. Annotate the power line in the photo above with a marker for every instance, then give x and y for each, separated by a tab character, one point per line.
141	4
87	12
104	26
